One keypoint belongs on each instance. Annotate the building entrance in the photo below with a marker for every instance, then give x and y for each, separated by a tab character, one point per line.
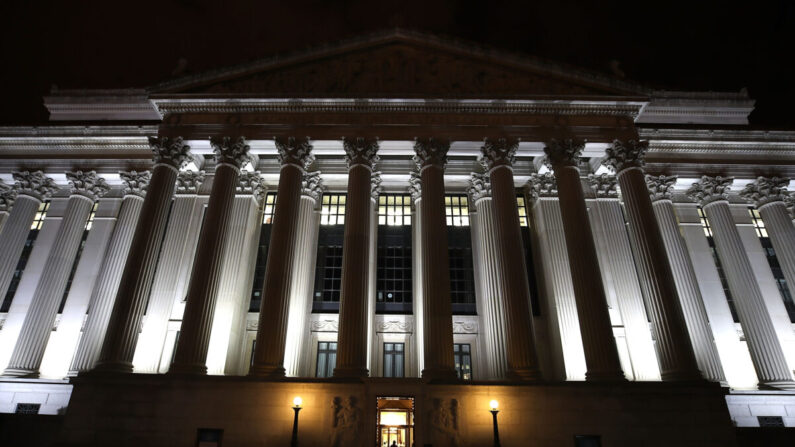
395	422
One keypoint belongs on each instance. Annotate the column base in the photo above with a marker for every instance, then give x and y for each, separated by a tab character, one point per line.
433	374
21	372
187	369
267	371
114	367
351	372
611	376
524	375
786	385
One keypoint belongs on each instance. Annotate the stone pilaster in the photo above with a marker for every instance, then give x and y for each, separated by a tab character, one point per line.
169	155
109	276
31	188
763	343
86	187
690	298
173	270
295	155
197	321
415	189
498	156
361	156
431	158
601	355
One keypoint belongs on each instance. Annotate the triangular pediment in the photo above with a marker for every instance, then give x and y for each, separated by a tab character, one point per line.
401	64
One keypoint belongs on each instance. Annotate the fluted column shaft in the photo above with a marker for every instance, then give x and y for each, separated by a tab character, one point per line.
37	327
272	326
695	312
13	237
3	218
763	343
352	336
417	283
107	285
601	355
781	231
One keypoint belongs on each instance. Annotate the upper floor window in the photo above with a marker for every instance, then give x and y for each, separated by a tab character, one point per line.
326	359
457	210
269	208
332	209
394	209
463	360
394	357
521	207
328	270
262	252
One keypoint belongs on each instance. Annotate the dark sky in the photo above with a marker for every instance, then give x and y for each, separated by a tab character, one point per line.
697	45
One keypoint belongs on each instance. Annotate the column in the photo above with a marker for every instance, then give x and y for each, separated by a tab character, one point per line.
7	196
690	298
107	283
619	265
431	158
169	155
86	187
360	155
295	155
677	361
765	348
561	305
489	270
303	274
31	188
415	189
601	355
498	156
197	321
372	268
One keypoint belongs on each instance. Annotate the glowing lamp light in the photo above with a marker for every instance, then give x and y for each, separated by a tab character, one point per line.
494	404
298	401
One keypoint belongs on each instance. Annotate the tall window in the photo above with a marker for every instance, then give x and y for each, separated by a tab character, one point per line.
719	267
775	266
328	271
89	223
524	227
326	358
38	221
394	355
521	207
393	276
394	209
262	252
459	243
463	360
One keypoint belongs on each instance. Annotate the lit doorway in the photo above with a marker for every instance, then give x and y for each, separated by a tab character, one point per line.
395	422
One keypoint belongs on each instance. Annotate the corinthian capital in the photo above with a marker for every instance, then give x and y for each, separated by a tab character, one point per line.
542	185
231	151
312	185
710	189
360	151
35	184
294	151
431	152
169	151
415	186
7	196
479	187
765	190
497	152
661	187
251	183
626	154
565	152
375	185
87	184
135	183
603	185
188	182
790	201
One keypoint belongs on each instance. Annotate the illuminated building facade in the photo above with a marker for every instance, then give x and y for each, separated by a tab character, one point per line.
399	229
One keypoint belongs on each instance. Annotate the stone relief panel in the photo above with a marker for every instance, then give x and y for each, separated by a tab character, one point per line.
443	417
346	422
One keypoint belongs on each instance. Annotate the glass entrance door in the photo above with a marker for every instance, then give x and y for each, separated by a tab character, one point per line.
395	436
395	422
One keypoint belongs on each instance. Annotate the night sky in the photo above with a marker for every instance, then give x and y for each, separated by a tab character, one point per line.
692	45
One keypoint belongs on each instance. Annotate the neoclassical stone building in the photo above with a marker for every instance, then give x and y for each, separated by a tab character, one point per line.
399	229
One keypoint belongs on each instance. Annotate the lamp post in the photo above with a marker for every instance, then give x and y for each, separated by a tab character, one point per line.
296	407
494	404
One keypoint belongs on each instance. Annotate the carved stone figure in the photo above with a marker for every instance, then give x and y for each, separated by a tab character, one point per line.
444	422
346	422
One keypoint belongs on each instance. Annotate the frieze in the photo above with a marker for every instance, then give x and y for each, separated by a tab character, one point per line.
764	190
710	189
87	184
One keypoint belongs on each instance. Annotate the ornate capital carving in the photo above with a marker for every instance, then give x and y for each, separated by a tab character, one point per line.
135	183
252	183
415	185
710	189
360	151
312	185
294	151
87	184
790	201
7	196
430	152
542	185
188	182
375	185
479	187
765	190
498	152
603	185
169	151
35	184
564	152
626	154
231	151
661	187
